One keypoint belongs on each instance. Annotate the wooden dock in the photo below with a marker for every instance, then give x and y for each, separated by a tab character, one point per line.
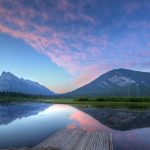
77	139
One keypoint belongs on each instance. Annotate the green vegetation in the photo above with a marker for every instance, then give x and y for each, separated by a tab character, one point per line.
7	97
113	102
102	104
114	99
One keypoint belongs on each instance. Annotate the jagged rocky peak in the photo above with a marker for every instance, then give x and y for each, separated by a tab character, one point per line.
11	83
8	75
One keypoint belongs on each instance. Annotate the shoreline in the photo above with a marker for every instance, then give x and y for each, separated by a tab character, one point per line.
85	103
99	104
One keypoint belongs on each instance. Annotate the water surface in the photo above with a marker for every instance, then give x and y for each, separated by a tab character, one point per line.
130	128
27	124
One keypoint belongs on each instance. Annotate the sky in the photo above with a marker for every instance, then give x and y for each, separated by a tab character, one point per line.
65	44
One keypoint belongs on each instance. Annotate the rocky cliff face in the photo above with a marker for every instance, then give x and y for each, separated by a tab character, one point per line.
118	82
11	83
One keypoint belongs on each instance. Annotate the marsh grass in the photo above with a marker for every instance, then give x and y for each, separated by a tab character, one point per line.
103	102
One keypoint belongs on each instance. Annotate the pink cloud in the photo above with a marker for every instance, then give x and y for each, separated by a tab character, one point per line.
87	74
89	19
46	40
78	50
64	5
143	53
131	7
95	50
68	16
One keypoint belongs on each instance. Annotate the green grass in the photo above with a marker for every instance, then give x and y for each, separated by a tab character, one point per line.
109	102
102	104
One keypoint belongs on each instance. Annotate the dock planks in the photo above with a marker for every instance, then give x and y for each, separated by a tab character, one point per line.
77	139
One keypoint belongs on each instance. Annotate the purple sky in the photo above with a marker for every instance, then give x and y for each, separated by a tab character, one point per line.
71	42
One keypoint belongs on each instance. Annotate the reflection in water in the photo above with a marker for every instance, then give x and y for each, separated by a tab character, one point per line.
138	139
11	112
28	129
32	129
120	119
28	124
130	129
85	122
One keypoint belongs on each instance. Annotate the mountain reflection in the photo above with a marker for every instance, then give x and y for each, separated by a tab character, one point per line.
130	129
31	123
120	119
11	112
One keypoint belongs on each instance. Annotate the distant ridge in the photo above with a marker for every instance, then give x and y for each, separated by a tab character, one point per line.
117	82
11	83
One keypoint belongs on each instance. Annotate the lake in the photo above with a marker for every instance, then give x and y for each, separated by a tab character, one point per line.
27	124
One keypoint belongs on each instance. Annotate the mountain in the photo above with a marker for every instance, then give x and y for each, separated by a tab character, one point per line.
11	83
117	82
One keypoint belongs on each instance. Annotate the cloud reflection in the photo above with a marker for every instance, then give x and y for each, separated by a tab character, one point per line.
85	122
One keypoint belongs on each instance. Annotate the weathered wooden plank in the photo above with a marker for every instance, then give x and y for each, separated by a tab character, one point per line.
63	143
82	142
76	139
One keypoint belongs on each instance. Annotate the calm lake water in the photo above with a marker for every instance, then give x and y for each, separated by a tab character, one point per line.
27	124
